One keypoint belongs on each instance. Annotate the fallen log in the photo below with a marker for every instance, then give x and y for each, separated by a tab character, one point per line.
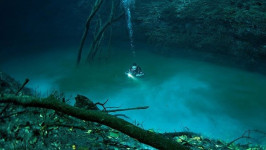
153	139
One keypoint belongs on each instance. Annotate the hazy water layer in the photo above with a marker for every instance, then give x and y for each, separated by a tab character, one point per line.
210	99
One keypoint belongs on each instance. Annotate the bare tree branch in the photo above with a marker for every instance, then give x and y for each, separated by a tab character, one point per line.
126	109
95	43
246	135
96	7
23	85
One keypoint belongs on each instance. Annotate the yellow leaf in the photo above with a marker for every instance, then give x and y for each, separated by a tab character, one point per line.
73	147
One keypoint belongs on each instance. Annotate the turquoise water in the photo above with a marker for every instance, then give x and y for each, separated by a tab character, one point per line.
183	94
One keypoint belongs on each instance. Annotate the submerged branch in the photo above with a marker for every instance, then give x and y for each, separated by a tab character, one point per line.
246	135
126	109
96	7
150	138
95	44
23	85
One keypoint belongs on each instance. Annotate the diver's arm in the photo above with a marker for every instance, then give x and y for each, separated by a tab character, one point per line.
139	69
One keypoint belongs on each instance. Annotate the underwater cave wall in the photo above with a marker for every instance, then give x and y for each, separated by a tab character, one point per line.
229	28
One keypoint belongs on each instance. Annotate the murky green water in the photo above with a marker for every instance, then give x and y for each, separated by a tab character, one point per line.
182	94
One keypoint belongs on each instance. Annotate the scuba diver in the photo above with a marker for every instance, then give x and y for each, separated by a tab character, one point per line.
135	70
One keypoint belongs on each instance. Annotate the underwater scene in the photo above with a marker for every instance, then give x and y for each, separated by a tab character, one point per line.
133	75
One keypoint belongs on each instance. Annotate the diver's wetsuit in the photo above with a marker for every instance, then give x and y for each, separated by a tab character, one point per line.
135	70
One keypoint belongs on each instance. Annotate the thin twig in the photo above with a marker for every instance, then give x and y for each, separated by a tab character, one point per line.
111	107
246	135
126	109
23	85
102	104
